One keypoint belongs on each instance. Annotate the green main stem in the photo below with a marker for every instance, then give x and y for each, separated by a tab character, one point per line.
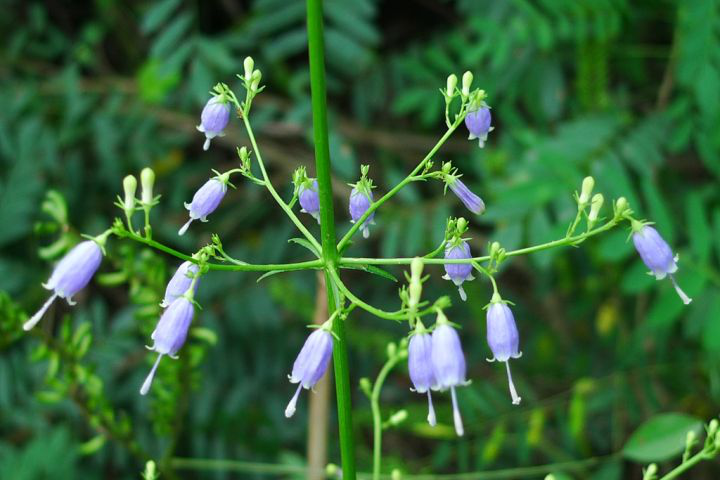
316	47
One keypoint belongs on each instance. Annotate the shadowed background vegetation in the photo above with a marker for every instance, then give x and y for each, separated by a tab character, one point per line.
628	92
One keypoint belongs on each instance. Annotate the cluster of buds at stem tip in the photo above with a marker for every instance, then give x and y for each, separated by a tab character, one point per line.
656	254
72	273
251	76
361	198
457	248
503	338
215	115
206	199
451	177
307	192
311	362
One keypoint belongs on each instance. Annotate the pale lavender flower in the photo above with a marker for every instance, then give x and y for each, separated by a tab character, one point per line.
179	283
70	276
458	272
657	255
420	366
360	201
214	118
503	339
170	334
309	199
478	123
467	197
448	361
205	201
311	363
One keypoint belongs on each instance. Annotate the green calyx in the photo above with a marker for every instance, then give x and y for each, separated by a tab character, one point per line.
365	184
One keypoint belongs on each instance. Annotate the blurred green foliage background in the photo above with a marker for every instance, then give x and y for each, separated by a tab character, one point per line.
628	91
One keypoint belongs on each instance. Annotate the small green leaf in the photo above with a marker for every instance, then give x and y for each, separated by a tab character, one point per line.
303	242
92	445
660	438
373	269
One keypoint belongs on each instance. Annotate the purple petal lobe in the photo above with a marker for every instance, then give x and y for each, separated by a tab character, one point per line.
448	359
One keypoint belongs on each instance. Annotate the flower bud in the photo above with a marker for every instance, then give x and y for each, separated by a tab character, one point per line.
391	349
451	85
331	469
461	225
494	249
396	474
366	385
713	427
147	181
129	186
467	80
690	439
473	203
415	289
249	65
587	187
398	417
651	472
595	206
621	205
255	80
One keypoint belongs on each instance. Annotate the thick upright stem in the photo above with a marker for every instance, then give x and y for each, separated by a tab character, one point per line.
316	47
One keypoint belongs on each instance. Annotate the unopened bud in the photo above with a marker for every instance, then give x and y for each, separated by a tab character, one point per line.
331	469
621	205
461	225
249	65
391	349
416	268
147	181
651	472
467	80
398	417
713	427
451	85
587	187
396	474
365	385
595	206
550	476
690	438
129	186
255	80
494	249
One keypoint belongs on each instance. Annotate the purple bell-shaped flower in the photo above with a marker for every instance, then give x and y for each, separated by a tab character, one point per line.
657	255
503	338
420	366
179	283
170	334
311	362
467	197
360	201
214	118
458	272
206	200
448	361
309	198
71	274
478	123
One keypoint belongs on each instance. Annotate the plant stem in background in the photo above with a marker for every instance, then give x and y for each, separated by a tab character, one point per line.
377	413
316	48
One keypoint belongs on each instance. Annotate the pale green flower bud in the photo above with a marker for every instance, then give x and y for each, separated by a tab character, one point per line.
713	427
391	349
467	80
147	181
451	85
587	187
621	205
398	417
249	65
595	206
255	81
461	225
130	186
396	474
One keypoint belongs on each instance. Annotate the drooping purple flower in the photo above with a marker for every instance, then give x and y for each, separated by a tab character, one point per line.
478	123
468	198
179	283
205	201
458	272
309	199
214	118
311	363
420	366
448	361
503	339
170	334
70	276
657	255
360	201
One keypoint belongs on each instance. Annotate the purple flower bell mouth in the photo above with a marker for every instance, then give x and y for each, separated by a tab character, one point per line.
179	283
309	199
360	202
206	200
420	366
458	272
478	123
70	275
170	334
503	339
657	255
448	362
214	118
311	362
467	197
